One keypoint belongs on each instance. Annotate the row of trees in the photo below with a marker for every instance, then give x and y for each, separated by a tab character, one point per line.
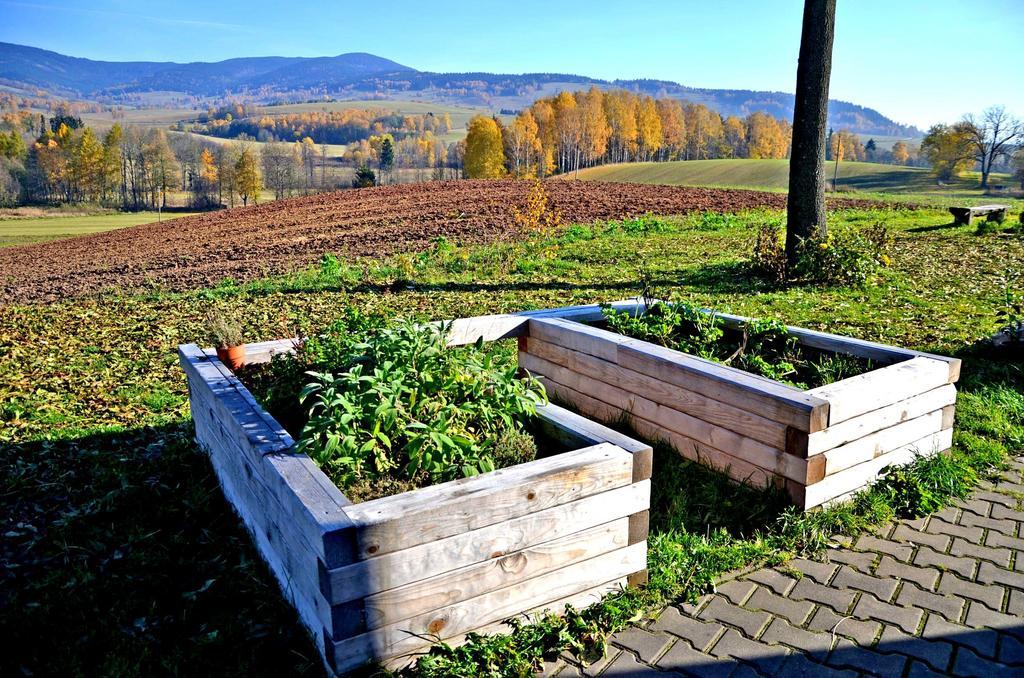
580	129
128	167
323	127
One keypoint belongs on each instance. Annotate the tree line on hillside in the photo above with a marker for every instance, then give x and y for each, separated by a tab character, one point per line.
573	130
133	168
244	121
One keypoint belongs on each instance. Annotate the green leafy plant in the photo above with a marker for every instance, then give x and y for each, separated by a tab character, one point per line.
760	346
404	403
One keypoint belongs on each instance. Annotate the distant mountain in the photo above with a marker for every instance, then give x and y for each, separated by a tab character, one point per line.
360	75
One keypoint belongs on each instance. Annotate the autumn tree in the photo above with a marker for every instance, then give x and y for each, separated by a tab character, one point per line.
568	134
522	145
734	136
544	113
992	137
805	213
485	156
247	177
648	127
161	167
620	109
900	153
764	137
112	171
594	130
948	150
673	128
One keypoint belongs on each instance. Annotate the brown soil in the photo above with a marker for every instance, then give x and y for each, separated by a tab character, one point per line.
281	236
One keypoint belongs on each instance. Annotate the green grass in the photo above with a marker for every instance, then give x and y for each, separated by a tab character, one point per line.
114	515
773	175
25	231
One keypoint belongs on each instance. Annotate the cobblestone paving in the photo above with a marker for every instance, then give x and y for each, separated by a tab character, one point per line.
942	595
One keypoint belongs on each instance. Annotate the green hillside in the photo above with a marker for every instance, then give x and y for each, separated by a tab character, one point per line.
773	175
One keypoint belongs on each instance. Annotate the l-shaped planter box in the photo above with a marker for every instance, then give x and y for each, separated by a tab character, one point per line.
380	580
821	444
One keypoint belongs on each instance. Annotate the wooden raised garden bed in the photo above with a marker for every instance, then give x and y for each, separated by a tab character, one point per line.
821	444
380	580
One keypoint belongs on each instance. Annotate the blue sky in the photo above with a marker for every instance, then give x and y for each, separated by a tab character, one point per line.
917	61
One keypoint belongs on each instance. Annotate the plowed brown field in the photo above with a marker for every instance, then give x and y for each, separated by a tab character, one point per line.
248	243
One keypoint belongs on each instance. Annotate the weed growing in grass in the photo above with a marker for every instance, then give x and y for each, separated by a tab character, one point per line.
845	256
714	221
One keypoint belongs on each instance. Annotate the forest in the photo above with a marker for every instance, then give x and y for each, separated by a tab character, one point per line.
573	130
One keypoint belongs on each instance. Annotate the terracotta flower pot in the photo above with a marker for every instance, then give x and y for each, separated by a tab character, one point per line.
232	356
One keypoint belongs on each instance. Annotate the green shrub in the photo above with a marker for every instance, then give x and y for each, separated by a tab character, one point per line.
403	404
845	256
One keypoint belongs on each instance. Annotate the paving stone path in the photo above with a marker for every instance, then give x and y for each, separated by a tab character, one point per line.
942	595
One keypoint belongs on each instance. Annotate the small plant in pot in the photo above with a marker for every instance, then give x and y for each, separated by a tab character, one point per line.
226	334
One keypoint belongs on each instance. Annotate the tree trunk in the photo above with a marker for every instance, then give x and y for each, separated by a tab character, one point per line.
805	216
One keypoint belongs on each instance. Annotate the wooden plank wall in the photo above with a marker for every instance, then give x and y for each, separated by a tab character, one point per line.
819	444
382	579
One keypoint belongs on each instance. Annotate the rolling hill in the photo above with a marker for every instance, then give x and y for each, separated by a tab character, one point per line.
773	175
360	76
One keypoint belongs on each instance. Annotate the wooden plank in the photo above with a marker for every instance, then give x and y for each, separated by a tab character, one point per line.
508	325
879	443
264	351
464	616
720	415
468	582
315	506
837	343
858	427
427	560
431	513
570	428
578	337
862	475
292	559
738	469
880	388
764	397
670	418
579	601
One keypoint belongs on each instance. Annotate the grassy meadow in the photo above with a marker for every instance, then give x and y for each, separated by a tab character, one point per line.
117	527
773	175
25	226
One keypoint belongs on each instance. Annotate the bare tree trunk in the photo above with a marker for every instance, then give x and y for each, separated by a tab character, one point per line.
805	216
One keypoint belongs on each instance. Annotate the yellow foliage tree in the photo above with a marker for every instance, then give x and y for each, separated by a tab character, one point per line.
900	153
648	126
248	180
485	156
522	145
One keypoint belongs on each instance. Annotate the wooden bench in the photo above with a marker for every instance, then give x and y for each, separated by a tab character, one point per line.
964	215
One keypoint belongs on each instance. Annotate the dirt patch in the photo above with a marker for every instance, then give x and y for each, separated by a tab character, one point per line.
278	237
